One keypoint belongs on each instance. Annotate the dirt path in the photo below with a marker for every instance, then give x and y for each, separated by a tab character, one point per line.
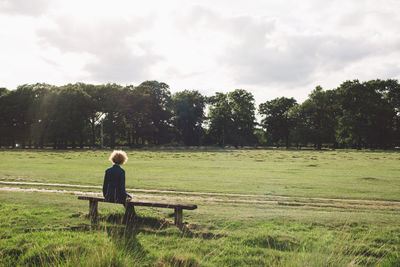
137	196
297	203
390	202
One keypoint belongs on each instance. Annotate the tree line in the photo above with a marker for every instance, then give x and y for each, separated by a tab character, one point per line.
354	115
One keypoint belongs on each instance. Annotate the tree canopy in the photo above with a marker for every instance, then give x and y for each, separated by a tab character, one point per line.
355	114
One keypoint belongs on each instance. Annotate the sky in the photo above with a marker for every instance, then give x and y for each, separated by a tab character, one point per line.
270	48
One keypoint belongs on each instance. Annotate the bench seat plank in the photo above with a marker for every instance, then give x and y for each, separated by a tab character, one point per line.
145	203
130	208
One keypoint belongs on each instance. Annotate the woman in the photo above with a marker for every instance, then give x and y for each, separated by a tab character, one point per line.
114	179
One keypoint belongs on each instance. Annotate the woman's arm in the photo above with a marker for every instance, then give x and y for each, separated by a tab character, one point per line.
123	182
105	183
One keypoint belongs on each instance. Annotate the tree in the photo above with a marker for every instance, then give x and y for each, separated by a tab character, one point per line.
277	123
243	116
160	111
315	118
188	115
3	91
390	90
111	97
136	108
95	101
366	118
5	124
42	110
220	117
300	133
17	116
232	118
71	115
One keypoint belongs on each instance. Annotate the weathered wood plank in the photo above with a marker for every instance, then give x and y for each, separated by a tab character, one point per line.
144	203
93	212
130	209
178	217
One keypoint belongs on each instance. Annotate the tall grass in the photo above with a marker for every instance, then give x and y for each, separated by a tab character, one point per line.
120	246
153	241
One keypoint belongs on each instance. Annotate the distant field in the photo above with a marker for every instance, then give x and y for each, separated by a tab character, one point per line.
262	208
332	174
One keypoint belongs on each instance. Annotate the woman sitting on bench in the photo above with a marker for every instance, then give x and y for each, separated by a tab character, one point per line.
114	179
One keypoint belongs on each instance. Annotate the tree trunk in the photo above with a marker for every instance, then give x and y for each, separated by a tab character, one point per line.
287	141
81	141
93	133
223	137
112	139
41	142
101	135
129	137
359	143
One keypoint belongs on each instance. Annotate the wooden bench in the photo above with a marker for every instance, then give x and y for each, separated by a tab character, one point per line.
130	208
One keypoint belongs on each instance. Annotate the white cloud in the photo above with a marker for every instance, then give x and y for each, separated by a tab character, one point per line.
23	7
114	53
271	48
294	59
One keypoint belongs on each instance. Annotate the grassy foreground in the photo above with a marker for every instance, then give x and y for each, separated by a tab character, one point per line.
34	231
52	229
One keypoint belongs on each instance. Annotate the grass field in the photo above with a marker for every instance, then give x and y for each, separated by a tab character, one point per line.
256	207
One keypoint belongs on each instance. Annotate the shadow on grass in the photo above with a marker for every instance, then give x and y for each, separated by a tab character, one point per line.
185	233
151	225
138	221
126	239
276	242
82	227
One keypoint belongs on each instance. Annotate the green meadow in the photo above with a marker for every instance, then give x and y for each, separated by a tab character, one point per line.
255	208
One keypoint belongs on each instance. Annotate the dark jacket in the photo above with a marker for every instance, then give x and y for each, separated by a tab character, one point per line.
114	184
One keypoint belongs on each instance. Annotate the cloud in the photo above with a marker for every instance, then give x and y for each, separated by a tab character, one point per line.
23	7
267	47
264	51
205	20
290	50
292	58
122	66
115	53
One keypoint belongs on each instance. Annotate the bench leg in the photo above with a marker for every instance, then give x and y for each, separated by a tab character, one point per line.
93	213
129	214
178	217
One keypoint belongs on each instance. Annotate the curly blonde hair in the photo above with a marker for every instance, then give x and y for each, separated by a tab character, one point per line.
118	157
